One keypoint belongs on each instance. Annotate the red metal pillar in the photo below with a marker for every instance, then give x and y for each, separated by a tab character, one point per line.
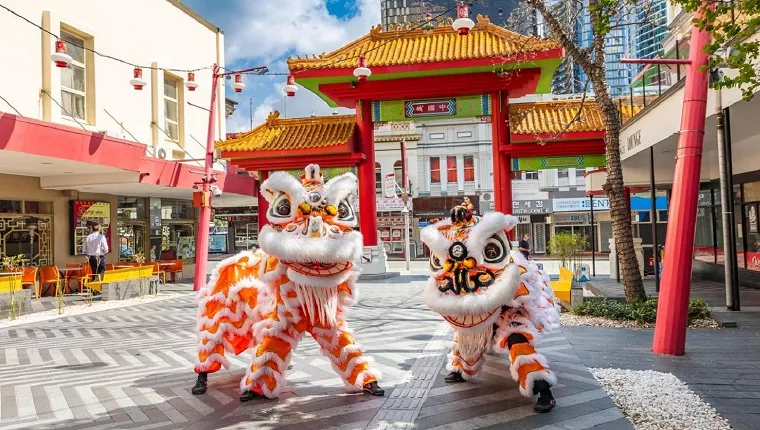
672	309
502	169
506	160
365	144
201	247
263	204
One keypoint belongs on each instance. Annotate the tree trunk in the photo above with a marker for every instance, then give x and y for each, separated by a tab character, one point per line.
619	211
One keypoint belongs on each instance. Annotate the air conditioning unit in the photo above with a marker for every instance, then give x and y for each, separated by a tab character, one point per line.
110	133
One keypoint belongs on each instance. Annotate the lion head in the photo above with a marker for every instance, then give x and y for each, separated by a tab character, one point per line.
471	273
311	226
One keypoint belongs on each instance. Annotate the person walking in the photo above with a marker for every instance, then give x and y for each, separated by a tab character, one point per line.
96	248
524	246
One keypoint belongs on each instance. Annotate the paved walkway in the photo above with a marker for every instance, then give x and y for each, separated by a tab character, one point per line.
132	368
722	366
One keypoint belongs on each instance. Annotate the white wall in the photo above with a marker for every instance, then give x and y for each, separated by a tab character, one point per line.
138	31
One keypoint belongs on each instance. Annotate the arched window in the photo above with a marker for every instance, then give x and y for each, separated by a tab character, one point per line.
378	180
398	173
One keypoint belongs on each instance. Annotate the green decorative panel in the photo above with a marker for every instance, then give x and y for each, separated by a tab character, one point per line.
327	172
558	162
445	107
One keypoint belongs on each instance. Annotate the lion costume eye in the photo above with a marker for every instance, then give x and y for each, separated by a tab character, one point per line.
435	263
494	251
281	207
345	213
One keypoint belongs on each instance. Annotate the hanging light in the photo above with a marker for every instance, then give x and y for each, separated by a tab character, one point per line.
428	26
190	83
238	84
60	57
290	87
463	24
137	80
362	71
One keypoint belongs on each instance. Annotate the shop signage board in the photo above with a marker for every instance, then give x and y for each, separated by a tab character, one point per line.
389	185
531	207
393	204
570	219
580	204
440	207
84	214
522	219
418	110
559	162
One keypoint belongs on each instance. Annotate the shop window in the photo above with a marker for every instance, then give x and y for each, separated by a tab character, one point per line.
177	230
469	168
451	168
378	180
531	175
562	173
11	206
25	232
398	173
74	78
435	170
131	208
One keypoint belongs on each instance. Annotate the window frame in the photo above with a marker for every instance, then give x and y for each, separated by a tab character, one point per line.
437	170
451	169
177	103
81	41
378	179
466	169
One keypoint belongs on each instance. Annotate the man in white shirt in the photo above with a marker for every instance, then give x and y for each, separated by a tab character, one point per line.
96	248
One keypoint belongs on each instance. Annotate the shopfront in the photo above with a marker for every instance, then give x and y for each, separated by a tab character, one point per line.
532	215
573	215
429	210
26	228
234	230
390	224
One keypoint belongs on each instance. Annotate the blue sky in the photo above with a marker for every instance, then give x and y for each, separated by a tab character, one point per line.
266	32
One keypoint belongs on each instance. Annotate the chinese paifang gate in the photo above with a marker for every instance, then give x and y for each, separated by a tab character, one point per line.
492	298
301	280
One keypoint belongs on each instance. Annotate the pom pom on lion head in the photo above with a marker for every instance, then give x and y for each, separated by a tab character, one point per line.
471	273
311	225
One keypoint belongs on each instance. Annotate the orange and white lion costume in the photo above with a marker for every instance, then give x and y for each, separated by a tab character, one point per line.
492	298
300	281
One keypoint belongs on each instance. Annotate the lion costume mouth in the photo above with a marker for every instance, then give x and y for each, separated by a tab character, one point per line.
319	269
469	321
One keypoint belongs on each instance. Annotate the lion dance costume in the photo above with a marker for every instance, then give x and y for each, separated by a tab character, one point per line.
493	299
301	280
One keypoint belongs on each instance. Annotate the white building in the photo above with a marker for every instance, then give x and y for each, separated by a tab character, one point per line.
82	134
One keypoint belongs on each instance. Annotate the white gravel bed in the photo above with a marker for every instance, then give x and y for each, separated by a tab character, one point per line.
79	309
570	319
658	401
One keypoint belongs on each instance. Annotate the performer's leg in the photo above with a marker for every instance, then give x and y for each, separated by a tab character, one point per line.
463	366
266	374
528	367
347	359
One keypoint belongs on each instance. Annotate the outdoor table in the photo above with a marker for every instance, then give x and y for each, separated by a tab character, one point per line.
65	279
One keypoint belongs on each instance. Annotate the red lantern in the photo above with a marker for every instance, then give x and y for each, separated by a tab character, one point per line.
190	83
137	80
238	84
362	71
60	57
463	24
290	87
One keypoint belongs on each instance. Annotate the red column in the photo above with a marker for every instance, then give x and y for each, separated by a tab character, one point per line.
262	202
365	144
672	309
502	170
506	160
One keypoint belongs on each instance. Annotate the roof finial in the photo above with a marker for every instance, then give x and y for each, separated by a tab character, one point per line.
272	118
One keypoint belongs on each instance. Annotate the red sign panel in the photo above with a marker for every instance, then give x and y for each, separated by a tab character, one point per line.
414	109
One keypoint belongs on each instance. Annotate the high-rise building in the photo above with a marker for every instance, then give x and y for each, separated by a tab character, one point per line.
399	11
652	19
567	79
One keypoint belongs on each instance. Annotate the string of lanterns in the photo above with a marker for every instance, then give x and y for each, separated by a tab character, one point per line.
463	24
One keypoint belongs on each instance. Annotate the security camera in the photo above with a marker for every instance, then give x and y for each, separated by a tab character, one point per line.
216	191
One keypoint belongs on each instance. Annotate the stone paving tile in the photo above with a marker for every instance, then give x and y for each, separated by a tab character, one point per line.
132	368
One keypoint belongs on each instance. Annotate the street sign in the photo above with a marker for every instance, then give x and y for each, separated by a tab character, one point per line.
367	255
390	185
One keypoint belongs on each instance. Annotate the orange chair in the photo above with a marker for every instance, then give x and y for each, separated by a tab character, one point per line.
50	275
176	270
30	280
157	270
83	274
109	267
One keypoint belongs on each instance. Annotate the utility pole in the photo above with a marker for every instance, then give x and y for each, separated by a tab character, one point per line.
250	111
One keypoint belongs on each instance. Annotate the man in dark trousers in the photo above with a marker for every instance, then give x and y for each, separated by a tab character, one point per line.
524	246
96	248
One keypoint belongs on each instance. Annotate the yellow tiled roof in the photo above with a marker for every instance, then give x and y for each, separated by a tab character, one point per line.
293	133
401	46
554	116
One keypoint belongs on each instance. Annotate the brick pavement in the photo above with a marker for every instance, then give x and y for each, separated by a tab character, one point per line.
722	366
132	368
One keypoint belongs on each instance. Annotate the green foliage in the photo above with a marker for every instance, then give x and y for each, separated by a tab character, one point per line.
731	24
641	311
13	263
566	245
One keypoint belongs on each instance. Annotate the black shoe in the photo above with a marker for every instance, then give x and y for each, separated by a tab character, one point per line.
374	389
200	384
248	395
545	401
453	377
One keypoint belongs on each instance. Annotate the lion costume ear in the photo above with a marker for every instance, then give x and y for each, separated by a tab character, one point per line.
510	221
342	187
282	182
